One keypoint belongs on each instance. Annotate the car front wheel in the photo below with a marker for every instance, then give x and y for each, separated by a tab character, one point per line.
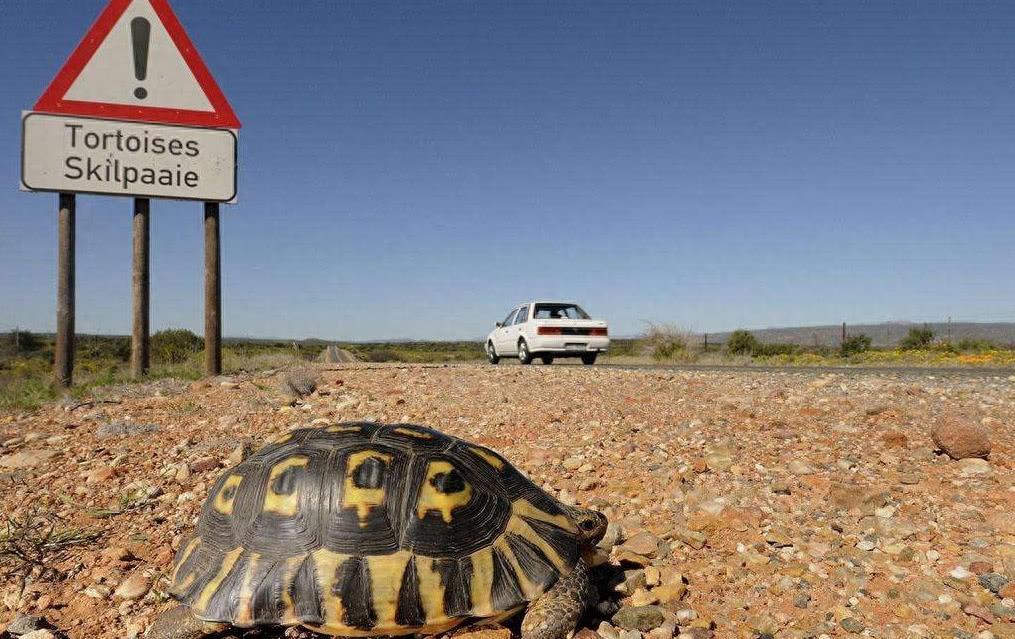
491	353
547	360
589	359
524	356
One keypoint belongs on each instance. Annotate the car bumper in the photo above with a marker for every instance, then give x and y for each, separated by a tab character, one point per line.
569	344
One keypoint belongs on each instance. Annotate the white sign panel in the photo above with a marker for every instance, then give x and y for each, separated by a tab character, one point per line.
110	157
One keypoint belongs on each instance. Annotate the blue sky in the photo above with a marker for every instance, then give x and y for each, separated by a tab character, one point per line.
415	169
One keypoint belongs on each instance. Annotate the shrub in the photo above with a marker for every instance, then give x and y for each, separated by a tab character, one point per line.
772	350
665	341
382	355
742	342
855	344
175	346
917	338
975	345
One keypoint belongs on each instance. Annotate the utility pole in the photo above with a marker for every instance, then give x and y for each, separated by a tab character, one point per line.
212	291
706	342
949	328
63	357
17	340
139	344
843	334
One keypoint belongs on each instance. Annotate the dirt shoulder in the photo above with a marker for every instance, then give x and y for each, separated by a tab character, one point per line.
784	504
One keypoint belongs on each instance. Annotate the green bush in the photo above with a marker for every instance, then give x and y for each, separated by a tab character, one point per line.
917	338
175	346
855	344
975	345
665	342
742	342
771	350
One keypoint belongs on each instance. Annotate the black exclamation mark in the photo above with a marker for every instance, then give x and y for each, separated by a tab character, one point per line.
140	34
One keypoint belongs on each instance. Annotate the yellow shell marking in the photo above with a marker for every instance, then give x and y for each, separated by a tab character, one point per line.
489	457
482	583
385	581
529	590
362	499
228	561
525	508
339	428
285	505
244	615
518	526
188	550
227	495
289	606
431	591
432	499
418	434
283	438
327	563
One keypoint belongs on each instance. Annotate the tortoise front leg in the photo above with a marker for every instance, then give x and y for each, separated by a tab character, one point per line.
555	615
178	623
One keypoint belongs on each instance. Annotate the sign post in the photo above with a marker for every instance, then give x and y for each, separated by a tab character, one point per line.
212	291
63	358
139	347
133	112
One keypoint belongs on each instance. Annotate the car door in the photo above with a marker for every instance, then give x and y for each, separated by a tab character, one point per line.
518	328
500	336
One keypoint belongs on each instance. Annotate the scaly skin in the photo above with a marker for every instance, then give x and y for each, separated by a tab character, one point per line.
178	623
556	613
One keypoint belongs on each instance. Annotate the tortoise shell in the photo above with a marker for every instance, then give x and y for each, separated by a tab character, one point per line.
362	529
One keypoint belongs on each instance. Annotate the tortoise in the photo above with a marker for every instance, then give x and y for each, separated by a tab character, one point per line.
361	529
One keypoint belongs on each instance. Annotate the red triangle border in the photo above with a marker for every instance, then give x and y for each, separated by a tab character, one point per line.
52	100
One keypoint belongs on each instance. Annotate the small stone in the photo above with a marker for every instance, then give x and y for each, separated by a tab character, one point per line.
120	429
780	488
802	600
993	581
607	631
24	624
240	453
100	476
182	473
39	634
961	438
798	467
204	464
25	459
644	543
852	625
133	587
973	467
642	618
958	572
642	597
668	593
692	538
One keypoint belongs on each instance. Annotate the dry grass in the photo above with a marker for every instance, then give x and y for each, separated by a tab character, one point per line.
29	545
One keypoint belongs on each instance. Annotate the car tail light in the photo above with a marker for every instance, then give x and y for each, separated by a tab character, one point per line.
549	330
598	332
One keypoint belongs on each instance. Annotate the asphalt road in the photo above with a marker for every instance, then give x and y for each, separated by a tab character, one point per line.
927	371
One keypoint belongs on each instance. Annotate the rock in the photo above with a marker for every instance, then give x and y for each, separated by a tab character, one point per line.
240	453
133	587
205	464
644	543
692	538
24	624
100	475
718	458
895	440
643	618
39	634
121	429
852	625
974	467
961	438
993	581
607	631
25	459
798	467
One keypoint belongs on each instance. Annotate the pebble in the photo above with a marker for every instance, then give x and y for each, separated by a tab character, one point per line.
642	618
961	437
24	624
133	587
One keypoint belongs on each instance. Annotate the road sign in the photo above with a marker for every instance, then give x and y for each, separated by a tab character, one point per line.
137	63
113	157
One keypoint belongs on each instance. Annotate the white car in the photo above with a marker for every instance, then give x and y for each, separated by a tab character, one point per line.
547	330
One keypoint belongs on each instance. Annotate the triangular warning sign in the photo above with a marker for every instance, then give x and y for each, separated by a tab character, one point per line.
137	63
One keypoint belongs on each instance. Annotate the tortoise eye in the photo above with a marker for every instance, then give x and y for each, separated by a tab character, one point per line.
588	524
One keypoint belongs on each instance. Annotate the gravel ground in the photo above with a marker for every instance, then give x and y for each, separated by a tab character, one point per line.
744	504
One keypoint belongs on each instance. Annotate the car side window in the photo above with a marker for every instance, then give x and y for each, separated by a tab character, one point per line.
510	318
523	315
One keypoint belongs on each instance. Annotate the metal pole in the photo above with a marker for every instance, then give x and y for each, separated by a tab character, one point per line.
139	345
212	291
63	360
843	333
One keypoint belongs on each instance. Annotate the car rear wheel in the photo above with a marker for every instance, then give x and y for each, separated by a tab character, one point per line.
524	356
547	360
589	359
491	353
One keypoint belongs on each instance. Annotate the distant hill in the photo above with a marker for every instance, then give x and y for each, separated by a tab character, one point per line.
885	334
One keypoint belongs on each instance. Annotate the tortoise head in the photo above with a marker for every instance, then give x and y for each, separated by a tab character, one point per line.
591	525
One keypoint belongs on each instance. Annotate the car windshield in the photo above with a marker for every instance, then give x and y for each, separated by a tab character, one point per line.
559	311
